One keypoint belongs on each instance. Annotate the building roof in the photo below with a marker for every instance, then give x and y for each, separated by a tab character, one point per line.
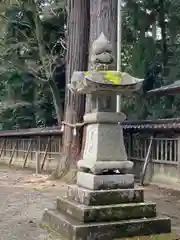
173	88
159	124
32	132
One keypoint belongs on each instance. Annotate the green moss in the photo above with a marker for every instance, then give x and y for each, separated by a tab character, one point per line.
110	76
154	237
52	234
122	212
113	77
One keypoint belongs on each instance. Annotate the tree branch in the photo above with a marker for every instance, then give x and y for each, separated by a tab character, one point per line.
14	21
39	36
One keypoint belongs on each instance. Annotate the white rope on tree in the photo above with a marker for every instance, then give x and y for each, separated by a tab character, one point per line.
74	126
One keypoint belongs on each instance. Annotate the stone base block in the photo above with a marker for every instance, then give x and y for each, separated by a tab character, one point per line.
100	182
97	167
105	213
104	117
74	230
104	148
104	197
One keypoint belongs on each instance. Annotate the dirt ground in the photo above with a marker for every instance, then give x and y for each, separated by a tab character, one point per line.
24	196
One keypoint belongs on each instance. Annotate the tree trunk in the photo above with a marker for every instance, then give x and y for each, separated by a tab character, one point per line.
77	60
56	100
103	19
162	25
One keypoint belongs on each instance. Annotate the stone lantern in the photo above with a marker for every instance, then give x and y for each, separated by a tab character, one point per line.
104	204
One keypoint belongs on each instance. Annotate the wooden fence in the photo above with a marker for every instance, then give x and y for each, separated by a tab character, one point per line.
41	149
165	155
164	150
32	149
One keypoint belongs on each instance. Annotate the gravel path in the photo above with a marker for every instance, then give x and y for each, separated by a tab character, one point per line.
24	196
168	204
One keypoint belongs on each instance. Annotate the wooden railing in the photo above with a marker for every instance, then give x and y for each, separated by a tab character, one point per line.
26	149
163	159
41	148
164	150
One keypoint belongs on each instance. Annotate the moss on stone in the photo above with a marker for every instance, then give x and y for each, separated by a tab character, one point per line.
53	235
154	237
108	212
112	77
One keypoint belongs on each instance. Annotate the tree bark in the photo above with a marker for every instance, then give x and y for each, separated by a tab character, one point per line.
56	100
77	60
103	19
162	25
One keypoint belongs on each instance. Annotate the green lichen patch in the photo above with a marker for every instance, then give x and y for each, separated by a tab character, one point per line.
104	197
172	236
112	77
52	234
108	212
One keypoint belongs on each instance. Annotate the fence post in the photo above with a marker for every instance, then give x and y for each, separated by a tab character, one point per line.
178	158
129	139
147	161
38	167
28	151
12	154
46	152
2	147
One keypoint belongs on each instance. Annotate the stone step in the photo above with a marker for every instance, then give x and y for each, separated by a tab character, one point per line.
104	182
74	230
113	212
104	197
